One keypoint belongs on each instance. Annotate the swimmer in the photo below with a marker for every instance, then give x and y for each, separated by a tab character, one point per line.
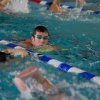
43	85
3	3
39	38
14	6
52	6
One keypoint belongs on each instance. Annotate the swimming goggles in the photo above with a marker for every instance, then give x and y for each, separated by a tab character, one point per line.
42	37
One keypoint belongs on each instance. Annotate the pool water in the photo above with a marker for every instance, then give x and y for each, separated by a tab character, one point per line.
77	33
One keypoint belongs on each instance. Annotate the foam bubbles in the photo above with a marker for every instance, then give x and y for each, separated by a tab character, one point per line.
18	6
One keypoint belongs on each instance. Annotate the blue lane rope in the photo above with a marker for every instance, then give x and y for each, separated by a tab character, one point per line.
58	64
66	7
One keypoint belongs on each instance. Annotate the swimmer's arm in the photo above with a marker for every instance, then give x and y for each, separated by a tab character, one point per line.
30	72
81	2
1	6
46	84
16	52
19	79
19	83
55	7
3	3
8	50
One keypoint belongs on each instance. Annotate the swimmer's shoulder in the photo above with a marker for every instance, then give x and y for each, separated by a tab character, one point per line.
48	48
26	43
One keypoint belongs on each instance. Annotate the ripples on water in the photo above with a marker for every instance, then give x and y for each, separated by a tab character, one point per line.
78	33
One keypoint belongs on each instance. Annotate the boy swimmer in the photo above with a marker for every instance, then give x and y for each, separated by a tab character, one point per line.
39	38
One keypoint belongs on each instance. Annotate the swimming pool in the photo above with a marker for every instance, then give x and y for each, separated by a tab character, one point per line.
79	34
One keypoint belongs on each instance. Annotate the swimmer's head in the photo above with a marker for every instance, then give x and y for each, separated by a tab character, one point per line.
40	36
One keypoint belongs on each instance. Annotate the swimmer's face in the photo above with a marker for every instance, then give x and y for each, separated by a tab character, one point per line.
40	39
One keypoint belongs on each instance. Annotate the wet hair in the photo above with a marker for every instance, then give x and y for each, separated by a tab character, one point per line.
40	29
4	57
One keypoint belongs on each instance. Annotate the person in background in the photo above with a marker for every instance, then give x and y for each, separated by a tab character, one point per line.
34	73
14	6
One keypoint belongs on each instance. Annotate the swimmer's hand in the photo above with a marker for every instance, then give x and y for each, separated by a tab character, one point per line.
1	6
20	52
47	48
8	51
16	52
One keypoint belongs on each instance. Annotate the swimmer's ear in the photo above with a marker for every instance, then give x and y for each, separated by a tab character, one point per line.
32	38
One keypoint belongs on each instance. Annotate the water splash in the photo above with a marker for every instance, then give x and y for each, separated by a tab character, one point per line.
80	4
18	6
